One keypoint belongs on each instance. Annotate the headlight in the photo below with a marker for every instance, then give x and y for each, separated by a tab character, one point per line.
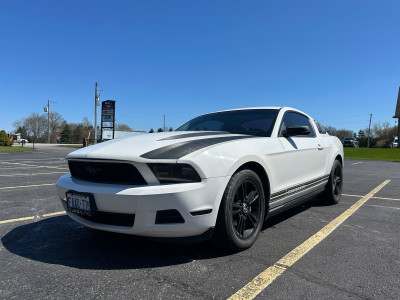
175	173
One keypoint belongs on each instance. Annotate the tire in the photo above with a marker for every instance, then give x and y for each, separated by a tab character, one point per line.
241	213
333	189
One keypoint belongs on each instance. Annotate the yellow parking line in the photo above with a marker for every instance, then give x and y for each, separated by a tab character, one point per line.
58	213
263	280
16	220
48	173
25	186
54	214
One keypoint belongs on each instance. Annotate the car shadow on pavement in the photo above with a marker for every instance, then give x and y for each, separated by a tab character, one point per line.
61	241
271	222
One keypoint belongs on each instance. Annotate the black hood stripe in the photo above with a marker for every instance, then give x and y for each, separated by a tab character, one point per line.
189	135
179	150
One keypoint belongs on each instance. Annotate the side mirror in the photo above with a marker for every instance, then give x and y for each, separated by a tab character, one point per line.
296	130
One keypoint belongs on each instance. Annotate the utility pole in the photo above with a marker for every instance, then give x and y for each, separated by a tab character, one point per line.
164	124
47	109
48	121
369	128
397	115
96	103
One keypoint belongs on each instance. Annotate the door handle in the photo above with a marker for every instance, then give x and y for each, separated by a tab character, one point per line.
320	148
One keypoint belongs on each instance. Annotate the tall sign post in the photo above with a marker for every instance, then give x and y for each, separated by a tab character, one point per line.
108	116
397	115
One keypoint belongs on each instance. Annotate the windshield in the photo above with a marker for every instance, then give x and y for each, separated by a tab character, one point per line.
259	122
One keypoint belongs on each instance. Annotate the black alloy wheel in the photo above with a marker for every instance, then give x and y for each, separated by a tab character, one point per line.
241	213
333	189
246	209
337	181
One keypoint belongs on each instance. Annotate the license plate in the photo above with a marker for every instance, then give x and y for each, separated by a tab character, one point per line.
80	204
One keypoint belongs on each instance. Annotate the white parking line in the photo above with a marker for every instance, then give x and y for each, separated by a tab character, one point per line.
375	197
392	199
380	206
348	195
48	173
360	162
32	166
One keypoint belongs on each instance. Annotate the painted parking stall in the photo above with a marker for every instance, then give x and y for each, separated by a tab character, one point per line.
311	251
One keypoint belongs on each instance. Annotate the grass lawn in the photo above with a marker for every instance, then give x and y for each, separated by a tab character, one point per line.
16	149
389	154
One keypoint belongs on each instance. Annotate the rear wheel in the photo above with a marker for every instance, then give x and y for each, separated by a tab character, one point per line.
241	213
333	189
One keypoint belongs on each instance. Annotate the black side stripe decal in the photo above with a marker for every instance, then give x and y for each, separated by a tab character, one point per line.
297	189
189	135
181	149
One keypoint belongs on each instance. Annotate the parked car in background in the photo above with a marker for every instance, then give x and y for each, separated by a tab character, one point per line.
218	176
395	142
350	142
21	141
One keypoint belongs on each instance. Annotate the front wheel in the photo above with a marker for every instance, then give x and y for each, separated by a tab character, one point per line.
241	213
333	189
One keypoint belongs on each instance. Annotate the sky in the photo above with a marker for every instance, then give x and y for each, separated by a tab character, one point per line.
338	61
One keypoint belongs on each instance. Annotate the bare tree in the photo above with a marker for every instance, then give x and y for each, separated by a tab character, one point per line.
123	127
56	124
86	123
340	133
344	133
331	130
35	125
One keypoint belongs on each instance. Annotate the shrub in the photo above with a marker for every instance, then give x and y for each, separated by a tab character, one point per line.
4	140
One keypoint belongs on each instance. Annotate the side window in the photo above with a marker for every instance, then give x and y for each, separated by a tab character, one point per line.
320	128
292	118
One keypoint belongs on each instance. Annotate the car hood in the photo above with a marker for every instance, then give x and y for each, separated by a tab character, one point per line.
156	146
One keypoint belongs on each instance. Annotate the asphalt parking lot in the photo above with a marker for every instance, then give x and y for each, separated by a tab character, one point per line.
350	250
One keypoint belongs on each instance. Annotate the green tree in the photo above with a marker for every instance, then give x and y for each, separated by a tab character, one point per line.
78	134
66	135
22	131
171	129
151	130
4	140
160	130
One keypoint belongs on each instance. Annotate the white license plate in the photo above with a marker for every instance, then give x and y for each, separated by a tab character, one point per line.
79	204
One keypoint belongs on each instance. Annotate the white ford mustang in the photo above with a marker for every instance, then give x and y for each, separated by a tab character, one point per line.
218	176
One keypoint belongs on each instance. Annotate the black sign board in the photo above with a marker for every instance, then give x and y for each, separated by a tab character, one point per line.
107	116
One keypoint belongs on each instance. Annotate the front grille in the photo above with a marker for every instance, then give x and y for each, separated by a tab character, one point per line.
106	172
109	218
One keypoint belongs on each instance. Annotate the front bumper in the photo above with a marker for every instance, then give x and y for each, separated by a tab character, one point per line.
145	201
